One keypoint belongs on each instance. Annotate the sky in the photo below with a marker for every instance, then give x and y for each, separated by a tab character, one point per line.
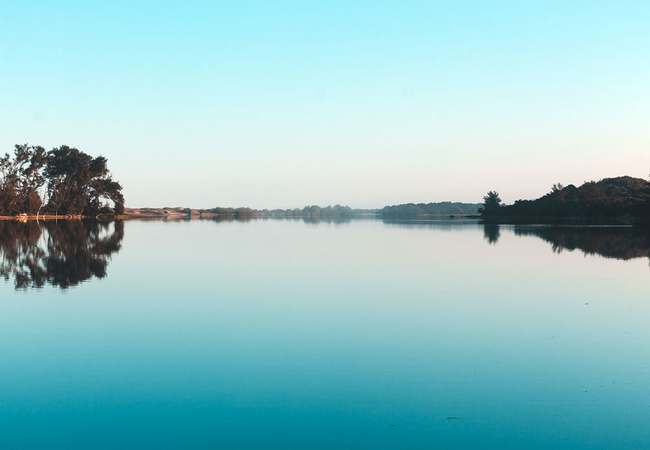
282	104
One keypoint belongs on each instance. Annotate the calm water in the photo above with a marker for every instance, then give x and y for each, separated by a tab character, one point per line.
286	334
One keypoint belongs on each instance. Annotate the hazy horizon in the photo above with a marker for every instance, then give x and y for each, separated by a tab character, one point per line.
290	104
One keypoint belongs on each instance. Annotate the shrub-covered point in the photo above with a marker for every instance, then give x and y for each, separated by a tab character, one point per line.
610	197
61	181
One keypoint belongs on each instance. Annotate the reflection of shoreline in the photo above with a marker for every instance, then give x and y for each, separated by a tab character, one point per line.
63	254
441	224
40	218
623	243
615	242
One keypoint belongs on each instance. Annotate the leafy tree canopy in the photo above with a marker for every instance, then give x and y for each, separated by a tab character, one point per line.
64	180
491	202
621	197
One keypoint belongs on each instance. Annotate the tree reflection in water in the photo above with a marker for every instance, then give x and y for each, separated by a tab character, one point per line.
62	254
491	233
609	242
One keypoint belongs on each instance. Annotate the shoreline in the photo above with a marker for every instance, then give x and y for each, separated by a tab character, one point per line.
179	214
174	214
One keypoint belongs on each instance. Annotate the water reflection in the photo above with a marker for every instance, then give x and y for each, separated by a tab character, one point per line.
62	254
307	220
491	233
67	253
252	218
610	242
618	242
441	224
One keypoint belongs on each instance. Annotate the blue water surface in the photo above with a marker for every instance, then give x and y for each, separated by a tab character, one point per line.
283	334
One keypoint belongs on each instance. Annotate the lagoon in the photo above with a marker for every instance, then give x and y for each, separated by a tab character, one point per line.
297	334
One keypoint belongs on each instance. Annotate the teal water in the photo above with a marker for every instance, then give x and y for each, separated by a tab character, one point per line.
275	334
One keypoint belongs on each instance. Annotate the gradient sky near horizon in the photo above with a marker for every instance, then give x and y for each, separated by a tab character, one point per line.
364	103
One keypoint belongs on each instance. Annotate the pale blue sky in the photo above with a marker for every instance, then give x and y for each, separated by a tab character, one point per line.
366	103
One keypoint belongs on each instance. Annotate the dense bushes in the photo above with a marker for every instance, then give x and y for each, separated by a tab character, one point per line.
608	198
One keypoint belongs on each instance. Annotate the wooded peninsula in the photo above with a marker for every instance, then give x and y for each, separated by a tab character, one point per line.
611	200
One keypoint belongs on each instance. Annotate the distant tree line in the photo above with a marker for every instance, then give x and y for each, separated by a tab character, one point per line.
412	211
313	211
336	212
62	181
327	211
608	199
308	211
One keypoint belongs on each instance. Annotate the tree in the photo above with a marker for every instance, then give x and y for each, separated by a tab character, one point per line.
80	184
21	179
75	183
491	202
